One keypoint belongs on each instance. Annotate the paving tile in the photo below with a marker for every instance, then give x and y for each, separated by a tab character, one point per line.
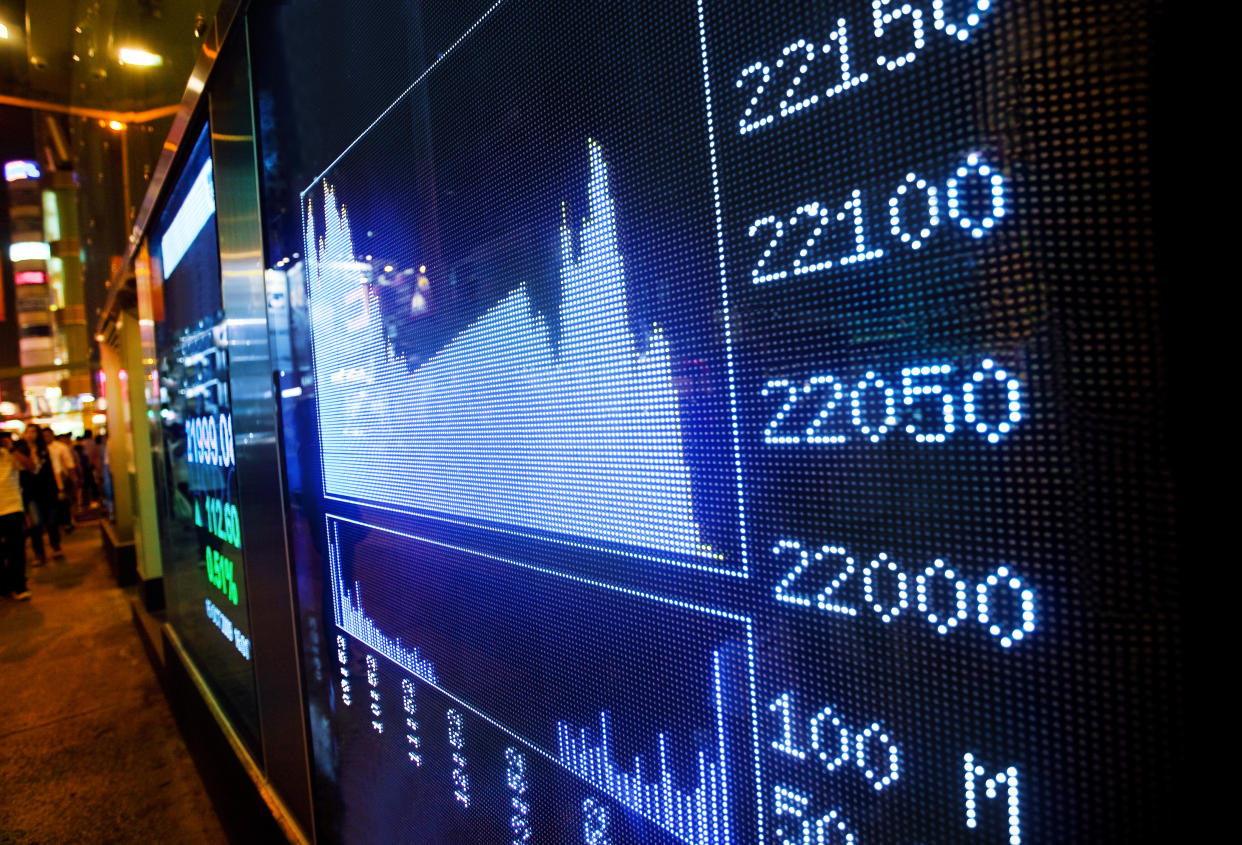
89	751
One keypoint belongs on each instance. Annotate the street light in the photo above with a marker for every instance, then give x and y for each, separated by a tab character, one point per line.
139	57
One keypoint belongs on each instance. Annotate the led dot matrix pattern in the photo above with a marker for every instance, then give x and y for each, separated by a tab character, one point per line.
926	426
766	394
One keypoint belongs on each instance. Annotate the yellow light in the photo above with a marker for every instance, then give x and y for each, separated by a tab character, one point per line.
116	125
4	31
141	58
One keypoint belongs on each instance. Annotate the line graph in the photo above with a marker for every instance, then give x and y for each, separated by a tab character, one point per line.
502	426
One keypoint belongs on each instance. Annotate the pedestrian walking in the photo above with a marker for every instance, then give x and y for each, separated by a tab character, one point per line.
40	493
12	522
88	492
64	468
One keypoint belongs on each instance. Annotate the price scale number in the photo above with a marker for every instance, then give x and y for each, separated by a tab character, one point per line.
845	58
832	580
825	234
926	403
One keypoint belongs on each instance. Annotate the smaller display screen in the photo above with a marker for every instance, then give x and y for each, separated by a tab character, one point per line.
202	543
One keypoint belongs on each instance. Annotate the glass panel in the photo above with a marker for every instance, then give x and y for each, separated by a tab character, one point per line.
204	568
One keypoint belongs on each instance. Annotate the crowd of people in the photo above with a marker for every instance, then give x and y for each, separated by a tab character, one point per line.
43	478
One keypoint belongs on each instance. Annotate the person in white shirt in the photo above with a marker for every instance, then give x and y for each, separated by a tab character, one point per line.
65	467
61	458
12	521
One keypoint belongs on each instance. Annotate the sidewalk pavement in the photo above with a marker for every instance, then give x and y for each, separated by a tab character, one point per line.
89	751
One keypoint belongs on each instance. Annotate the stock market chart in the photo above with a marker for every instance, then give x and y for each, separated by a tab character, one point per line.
740	423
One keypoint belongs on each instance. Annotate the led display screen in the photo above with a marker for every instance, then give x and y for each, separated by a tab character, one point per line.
725	422
204	568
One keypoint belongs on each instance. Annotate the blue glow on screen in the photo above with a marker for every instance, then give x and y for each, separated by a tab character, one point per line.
695	810
498	426
714	425
196	209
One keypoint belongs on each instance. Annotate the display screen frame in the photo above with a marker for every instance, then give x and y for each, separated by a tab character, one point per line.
1054	360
